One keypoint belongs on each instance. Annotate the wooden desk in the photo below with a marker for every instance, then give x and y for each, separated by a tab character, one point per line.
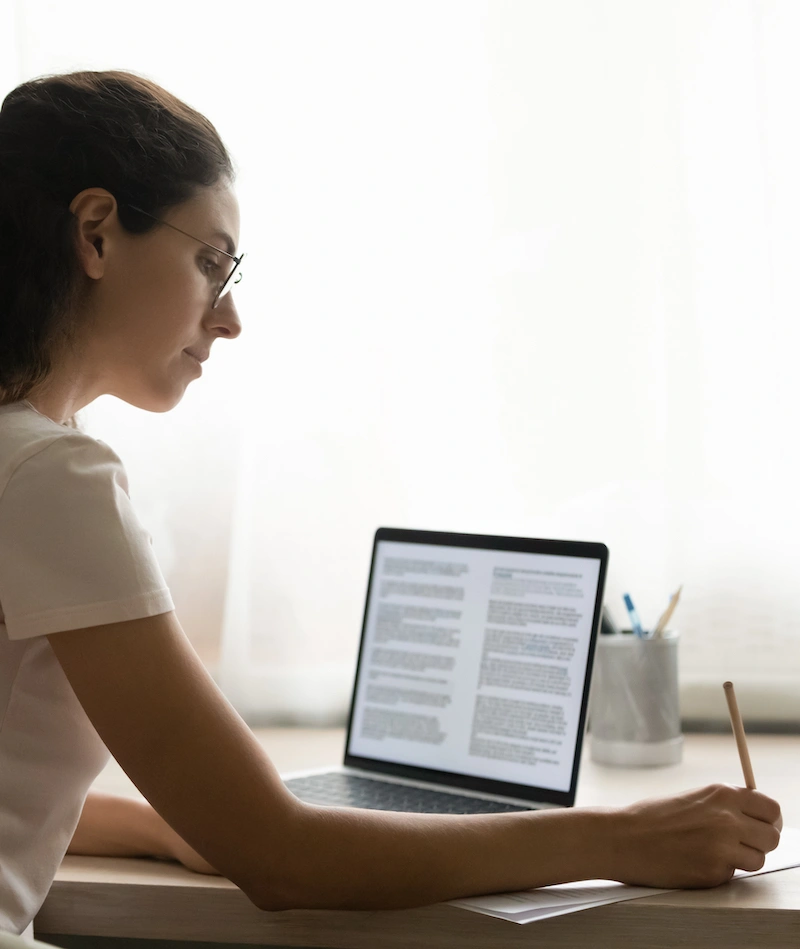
151	899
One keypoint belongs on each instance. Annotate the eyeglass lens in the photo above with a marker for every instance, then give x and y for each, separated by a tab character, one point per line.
233	278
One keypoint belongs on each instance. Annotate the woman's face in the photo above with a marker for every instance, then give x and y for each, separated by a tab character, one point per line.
151	315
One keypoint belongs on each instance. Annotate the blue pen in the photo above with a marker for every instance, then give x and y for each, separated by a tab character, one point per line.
636	624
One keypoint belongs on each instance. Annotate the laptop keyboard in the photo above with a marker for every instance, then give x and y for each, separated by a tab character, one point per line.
349	790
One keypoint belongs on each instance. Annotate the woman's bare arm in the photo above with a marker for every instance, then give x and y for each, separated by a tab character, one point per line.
190	754
115	826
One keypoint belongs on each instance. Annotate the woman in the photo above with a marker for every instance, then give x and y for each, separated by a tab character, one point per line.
118	229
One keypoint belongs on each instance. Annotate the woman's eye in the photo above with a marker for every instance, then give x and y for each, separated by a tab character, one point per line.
209	267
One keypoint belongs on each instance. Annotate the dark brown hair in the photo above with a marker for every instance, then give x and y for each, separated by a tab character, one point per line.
58	136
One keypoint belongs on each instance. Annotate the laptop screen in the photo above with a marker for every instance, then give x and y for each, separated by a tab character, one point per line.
475	658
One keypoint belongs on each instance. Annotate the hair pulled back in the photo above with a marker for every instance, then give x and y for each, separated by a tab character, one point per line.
58	136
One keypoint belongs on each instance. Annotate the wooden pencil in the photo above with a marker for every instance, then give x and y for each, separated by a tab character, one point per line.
738	731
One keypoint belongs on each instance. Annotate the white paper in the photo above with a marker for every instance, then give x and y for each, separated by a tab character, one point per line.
527	906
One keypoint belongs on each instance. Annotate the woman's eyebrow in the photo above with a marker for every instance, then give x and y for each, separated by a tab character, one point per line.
227	241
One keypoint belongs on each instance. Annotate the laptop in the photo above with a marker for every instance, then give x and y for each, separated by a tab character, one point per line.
473	675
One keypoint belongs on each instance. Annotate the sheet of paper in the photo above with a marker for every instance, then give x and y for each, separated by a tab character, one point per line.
532	915
527	906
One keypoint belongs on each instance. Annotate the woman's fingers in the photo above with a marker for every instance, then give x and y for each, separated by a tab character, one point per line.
764	820
758	805
746	858
760	835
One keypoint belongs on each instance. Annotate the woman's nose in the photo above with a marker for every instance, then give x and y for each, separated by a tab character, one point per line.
226	318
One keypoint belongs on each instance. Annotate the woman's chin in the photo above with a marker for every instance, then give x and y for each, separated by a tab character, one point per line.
154	401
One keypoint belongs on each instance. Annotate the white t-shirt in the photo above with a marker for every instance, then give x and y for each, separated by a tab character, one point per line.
72	554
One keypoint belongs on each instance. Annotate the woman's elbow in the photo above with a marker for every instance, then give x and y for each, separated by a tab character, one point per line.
275	900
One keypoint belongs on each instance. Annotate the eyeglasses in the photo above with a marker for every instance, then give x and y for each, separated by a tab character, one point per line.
228	281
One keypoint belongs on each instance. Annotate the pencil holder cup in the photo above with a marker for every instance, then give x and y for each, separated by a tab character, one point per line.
634	713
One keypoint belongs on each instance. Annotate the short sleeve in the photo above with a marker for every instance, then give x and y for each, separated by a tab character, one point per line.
72	550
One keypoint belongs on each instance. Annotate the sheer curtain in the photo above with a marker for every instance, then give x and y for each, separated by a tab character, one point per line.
10	70
514	267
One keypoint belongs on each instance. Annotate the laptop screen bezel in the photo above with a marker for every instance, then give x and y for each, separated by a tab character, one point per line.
563	548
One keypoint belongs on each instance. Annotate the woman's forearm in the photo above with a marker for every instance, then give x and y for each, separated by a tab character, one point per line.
430	858
355	859
113	826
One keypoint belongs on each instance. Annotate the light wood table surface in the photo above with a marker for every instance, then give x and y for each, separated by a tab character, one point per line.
97	896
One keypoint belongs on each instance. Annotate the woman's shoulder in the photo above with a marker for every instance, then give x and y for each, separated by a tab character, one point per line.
26	435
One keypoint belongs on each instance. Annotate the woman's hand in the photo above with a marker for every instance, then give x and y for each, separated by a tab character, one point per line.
695	839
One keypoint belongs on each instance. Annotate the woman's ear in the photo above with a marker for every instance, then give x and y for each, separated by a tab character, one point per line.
96	212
